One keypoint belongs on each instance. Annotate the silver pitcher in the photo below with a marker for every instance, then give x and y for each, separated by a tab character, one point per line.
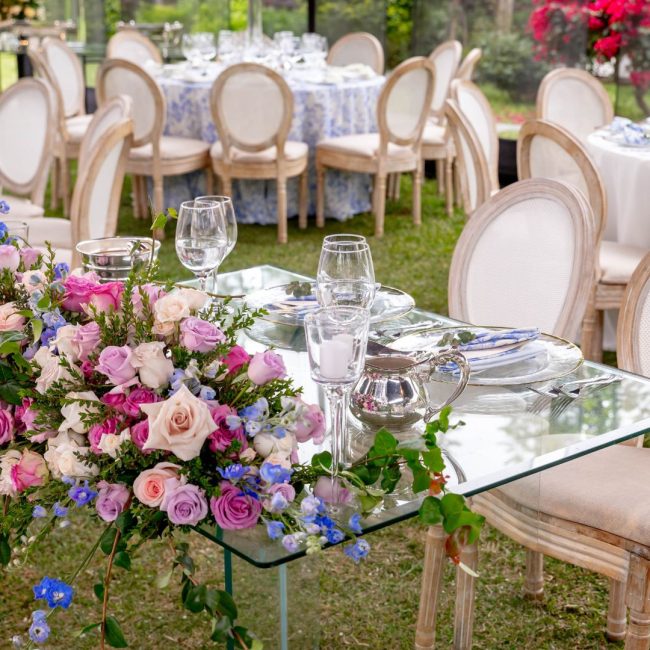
392	393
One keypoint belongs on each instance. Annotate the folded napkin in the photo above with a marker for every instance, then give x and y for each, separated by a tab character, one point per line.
635	135
358	71
618	124
499	338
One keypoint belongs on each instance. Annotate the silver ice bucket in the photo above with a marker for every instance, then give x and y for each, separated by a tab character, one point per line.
113	258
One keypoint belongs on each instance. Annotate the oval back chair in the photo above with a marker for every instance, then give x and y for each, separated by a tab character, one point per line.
468	66
358	47
68	75
131	45
445	60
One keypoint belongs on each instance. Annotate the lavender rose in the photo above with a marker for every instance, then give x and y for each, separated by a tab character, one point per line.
186	505
86	338
198	335
6	427
9	257
234	510
115	363
111	500
266	366
29	256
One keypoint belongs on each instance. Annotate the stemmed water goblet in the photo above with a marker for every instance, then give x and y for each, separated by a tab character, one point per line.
201	238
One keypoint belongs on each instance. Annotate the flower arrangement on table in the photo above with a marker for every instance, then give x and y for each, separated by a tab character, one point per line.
134	402
21	10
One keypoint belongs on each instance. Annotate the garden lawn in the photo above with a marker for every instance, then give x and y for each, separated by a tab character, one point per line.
373	605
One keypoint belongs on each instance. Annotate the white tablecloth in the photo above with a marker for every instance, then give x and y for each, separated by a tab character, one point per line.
320	111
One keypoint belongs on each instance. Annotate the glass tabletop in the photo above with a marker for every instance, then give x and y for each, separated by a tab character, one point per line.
509	432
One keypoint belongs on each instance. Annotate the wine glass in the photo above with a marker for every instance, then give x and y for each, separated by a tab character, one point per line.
201	238
346	276
190	50
226	206
207	46
336	343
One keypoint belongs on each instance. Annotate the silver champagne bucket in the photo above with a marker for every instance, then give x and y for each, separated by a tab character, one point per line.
113	258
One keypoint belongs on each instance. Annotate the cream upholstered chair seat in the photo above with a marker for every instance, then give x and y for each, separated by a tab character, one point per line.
619	261
58	232
365	145
172	148
22	208
292	151
434	134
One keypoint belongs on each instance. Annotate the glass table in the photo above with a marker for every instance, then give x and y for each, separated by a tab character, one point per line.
506	434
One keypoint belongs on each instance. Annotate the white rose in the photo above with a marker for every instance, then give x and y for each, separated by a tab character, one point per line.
163	330
33	281
73	412
7	461
154	368
110	443
65	344
42	356
195	299
171	308
62	457
51	371
266	444
279	458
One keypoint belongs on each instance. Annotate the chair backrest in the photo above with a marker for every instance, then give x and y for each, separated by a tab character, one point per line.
526	258
475	181
252	108
133	46
358	47
575	100
468	66
546	150
119	77
404	104
445	60
633	332
477	111
67	73
43	71
26	135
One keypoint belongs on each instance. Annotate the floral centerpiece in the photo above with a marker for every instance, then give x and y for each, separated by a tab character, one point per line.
135	403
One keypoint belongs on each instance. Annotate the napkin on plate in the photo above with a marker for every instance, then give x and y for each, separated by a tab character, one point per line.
635	135
489	339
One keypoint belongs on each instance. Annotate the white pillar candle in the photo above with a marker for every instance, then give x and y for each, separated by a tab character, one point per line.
335	356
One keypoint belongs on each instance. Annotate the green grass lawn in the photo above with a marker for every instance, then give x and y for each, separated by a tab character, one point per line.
373	605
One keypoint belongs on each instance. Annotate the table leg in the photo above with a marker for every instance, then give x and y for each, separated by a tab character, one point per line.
227	572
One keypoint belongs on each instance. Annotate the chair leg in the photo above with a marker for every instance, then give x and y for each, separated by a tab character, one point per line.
208	181
458	199
434	562
591	335
617	611
440	176
226	185
534	580
136	197
380	204
464	611
417	195
304	195
449	185
54	184
637	598
394	183
320	195
158	200
282	210
65	186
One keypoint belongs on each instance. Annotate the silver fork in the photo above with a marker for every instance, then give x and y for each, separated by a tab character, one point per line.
563	395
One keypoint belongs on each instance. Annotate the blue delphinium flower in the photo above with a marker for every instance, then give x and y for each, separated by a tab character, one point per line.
39	631
55	592
68	480
272	473
39	615
82	494
17	641
59	510
274	529
233	472
334	535
311	506
61	270
206	393
3	227
47	335
233	422
39	512
358	550
254	415
354	523
279	502
54	319
290	543
4	208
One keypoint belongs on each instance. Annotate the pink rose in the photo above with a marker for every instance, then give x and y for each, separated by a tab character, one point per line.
221	439
29	256
185	505
153	293
111	500
309	423
136	397
24	415
265	367
115	398
198	335
234	510
149	486
10	319
236	358
29	471
77	292
7	427
286	494
140	434
115	363
9	257
86	338
331	491
105	297
96	431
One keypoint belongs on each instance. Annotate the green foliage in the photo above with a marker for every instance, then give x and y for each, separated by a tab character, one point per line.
114	635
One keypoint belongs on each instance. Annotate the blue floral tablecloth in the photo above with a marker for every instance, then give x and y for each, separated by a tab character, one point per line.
320	111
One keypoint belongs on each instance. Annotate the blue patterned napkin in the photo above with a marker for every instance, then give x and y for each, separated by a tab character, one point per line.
496	339
635	135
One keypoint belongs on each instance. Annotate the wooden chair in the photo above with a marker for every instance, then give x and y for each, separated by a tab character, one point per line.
131	45
474	176
536	233
546	150
468	66
152	154
97	192
26	153
565	89
252	108
358	47
402	110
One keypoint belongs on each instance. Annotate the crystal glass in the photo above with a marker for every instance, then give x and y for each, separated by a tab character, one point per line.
314	49
346	276
201	238
336	343
226	206
206	46
191	50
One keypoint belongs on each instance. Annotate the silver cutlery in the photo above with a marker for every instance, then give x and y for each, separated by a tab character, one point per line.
396	332
561	396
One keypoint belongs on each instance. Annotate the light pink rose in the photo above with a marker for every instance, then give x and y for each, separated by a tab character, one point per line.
236	358
7	427
198	335
25	416
149	486
86	339
29	256
286	490
33	280
30	471
180	424
105	297
9	257
331	491
153	293
154	368
265	367
309	423
10	319
115	363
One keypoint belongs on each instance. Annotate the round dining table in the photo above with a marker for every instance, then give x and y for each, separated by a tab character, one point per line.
325	105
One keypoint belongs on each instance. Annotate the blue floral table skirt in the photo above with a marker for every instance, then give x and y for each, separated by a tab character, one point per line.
320	111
